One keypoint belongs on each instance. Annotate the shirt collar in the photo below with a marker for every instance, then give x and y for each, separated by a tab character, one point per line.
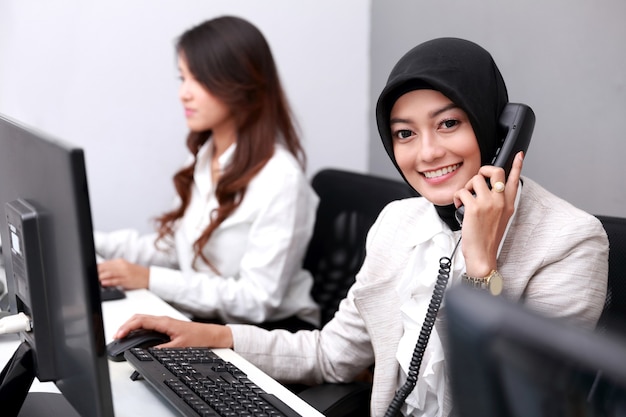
203	164
429	223
226	158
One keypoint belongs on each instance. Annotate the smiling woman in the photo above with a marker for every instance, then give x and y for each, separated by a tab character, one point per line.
427	124
231	250
440	131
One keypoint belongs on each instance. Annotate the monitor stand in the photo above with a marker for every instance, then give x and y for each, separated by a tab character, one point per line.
39	404
15	381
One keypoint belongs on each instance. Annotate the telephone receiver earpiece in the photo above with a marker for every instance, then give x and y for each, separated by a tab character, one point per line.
516	124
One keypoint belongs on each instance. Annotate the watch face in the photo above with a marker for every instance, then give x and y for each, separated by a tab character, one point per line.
495	283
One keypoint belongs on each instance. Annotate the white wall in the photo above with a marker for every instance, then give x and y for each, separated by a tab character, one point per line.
102	74
565	58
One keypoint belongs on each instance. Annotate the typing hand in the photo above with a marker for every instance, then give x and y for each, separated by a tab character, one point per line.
121	273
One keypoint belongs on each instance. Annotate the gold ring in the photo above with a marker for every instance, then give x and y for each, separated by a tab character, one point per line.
498	187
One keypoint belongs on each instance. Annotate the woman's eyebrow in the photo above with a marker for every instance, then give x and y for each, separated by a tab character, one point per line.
398	120
436	113
431	115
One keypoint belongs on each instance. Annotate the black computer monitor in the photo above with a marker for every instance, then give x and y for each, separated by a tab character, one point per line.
505	360
48	248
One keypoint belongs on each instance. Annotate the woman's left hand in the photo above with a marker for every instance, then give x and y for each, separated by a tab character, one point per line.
487	212
119	272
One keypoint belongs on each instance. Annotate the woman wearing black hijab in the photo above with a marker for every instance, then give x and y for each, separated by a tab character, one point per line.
437	118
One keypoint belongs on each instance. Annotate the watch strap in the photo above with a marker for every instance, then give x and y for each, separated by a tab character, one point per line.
492	282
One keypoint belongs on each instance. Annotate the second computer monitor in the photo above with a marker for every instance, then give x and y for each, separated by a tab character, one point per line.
505	360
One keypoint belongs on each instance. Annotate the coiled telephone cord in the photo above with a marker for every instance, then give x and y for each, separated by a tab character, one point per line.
445	265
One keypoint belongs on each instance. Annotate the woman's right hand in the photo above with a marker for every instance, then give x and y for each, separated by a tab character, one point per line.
182	333
119	272
487	213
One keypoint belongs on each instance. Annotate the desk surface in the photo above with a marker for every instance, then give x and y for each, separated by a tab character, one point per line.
133	398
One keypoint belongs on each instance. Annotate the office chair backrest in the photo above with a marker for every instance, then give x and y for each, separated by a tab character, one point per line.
614	313
349	205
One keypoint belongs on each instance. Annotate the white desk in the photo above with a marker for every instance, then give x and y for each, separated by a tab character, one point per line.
134	398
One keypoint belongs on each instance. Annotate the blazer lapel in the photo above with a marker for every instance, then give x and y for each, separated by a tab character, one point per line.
385	332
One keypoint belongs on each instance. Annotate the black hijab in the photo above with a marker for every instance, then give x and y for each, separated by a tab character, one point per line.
462	71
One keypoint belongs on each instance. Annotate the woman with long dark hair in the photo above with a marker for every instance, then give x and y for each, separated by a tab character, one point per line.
232	248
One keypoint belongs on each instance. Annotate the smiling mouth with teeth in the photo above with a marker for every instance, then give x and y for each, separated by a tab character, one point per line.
442	171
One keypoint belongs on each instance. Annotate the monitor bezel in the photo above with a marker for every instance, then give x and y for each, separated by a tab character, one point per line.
50	175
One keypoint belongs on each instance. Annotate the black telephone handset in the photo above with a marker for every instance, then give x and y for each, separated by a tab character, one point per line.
516	123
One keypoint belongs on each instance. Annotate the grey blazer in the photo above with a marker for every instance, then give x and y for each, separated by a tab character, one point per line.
554	259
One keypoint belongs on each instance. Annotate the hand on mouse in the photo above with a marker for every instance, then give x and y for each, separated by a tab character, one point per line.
181	333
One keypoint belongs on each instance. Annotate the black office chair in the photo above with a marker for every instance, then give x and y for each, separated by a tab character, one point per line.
613	316
349	205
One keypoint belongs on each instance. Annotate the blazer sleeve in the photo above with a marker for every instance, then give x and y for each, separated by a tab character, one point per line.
556	260
337	353
571	280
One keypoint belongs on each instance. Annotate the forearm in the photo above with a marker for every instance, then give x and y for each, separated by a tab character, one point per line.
207	295
129	245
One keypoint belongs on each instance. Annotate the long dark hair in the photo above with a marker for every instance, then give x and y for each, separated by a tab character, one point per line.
231	58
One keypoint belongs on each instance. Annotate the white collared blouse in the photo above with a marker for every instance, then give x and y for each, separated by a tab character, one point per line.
257	251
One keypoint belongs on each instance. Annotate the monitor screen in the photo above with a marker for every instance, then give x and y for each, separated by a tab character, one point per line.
51	270
505	360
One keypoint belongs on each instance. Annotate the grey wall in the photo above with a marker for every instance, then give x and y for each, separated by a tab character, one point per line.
565	58
102	74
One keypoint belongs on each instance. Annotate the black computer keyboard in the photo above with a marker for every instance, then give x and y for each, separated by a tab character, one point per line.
111	293
197	382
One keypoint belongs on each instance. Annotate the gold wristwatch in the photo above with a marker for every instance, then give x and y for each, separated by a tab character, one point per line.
492	282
